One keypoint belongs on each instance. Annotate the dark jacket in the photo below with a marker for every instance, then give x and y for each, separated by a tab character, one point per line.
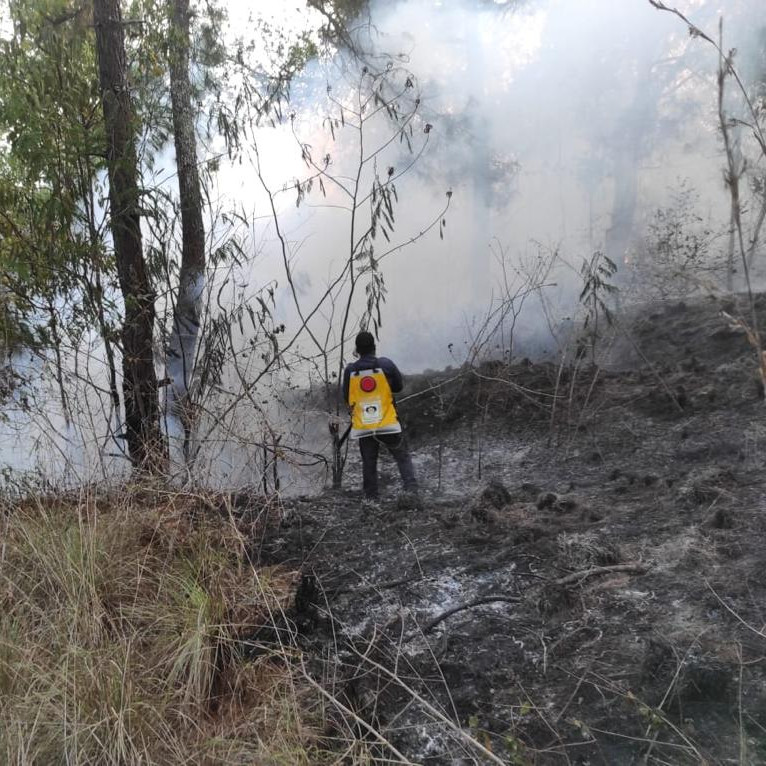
369	362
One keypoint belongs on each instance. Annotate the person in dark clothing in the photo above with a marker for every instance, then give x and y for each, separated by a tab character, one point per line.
369	446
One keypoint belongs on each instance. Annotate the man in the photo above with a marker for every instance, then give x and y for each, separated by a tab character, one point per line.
368	385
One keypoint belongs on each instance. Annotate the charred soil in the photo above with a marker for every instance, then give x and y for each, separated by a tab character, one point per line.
584	583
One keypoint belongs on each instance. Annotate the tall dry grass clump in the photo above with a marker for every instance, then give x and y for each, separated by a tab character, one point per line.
122	627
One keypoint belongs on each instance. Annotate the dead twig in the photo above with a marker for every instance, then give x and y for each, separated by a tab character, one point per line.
578	577
526	393
386	585
429	626
689	745
414	550
731	611
454	728
335	702
570	699
434	387
668	691
651	367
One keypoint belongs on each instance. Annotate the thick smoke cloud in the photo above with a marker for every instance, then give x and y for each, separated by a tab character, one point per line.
558	125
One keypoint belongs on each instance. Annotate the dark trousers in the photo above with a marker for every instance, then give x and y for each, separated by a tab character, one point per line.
369	446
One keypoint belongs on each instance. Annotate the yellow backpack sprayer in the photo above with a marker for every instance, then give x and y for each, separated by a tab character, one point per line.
372	404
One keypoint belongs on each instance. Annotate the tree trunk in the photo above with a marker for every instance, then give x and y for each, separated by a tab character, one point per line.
186	312
337	456
139	379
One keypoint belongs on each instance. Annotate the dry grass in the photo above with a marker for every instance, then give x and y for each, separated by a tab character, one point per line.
587	549
121	619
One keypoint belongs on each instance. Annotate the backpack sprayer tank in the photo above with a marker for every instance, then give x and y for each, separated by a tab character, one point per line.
372	404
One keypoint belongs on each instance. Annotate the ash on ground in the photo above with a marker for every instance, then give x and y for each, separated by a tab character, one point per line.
586	581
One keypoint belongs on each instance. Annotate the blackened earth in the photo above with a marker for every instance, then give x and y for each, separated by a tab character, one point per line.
586	583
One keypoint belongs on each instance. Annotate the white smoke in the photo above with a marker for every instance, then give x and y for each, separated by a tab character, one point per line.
559	125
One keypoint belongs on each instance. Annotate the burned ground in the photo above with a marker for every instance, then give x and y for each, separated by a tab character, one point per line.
582	586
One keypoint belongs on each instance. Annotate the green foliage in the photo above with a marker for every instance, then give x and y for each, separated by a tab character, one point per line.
149	42
337	17
50	158
52	143
49	101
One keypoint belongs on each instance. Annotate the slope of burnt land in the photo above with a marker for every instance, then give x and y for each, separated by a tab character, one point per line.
584	585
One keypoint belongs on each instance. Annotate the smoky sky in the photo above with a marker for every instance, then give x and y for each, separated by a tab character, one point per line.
558	126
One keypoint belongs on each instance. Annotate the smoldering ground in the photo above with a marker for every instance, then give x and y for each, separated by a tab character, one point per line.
584	588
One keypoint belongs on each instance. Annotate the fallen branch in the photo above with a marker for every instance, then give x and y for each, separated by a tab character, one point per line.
372	586
468	605
584	574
